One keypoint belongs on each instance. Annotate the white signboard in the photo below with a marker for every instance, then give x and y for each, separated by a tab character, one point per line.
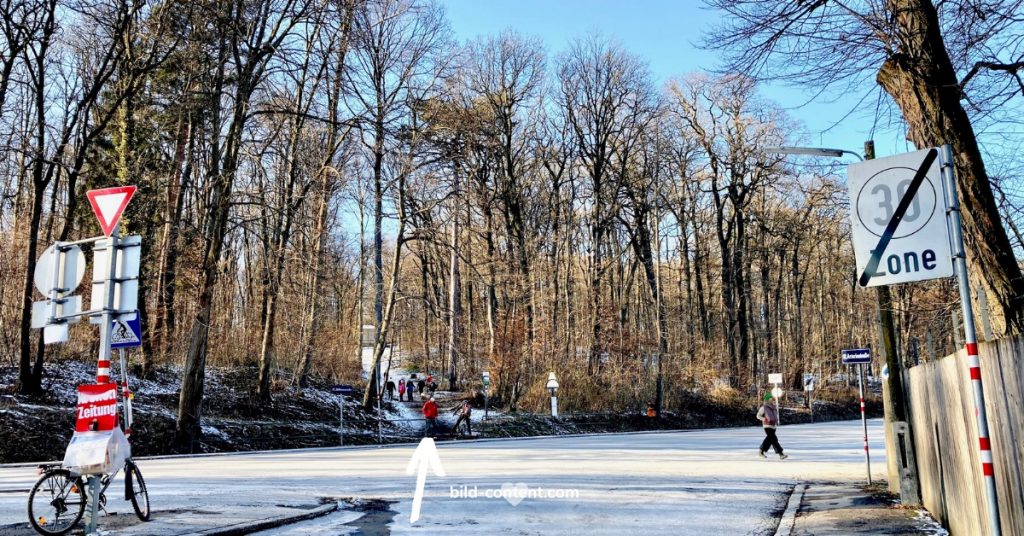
126	289
775	378
911	233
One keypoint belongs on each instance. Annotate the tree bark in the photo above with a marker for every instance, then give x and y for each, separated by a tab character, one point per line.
922	81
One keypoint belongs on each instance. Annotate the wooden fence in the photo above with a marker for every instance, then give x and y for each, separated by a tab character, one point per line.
946	437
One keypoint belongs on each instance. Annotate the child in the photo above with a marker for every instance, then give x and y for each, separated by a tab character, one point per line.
768	414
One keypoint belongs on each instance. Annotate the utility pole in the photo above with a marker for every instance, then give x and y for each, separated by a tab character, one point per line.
898	438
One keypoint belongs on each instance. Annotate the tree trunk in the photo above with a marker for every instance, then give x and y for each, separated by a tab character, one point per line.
922	81
454	300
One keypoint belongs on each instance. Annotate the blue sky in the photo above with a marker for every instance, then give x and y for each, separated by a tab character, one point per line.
665	33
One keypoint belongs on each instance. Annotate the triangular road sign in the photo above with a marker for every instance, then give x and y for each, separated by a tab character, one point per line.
108	204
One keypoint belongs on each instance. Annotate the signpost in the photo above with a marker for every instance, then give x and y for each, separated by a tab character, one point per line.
861	357
896	210
775	379
809	389
899	235
342	391
113	306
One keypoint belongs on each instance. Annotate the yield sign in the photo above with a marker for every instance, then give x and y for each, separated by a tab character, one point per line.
108	205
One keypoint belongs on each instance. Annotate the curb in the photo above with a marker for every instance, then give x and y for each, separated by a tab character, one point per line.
789	516
265	524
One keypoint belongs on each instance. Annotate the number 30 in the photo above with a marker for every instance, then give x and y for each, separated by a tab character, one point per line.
886	204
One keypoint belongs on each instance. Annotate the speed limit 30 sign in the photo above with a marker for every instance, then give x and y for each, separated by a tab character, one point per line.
898	213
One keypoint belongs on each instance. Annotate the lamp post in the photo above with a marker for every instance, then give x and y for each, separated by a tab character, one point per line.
487	388
893	397
553	389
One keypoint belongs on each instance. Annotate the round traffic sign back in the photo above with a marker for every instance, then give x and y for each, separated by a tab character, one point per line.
71	267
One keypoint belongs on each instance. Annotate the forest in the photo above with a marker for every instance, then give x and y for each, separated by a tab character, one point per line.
309	167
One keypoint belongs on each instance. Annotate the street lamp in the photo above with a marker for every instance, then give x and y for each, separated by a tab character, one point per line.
812	151
553	389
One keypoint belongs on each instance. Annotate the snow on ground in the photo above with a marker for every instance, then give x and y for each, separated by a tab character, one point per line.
697	482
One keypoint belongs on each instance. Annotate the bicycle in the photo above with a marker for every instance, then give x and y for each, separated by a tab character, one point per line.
62	497
58	499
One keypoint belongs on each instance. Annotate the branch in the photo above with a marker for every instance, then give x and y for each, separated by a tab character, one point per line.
1012	68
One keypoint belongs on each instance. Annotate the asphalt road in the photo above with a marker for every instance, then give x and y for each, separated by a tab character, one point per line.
696	482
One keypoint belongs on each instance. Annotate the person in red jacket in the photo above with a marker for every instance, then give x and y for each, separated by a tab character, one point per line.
430	414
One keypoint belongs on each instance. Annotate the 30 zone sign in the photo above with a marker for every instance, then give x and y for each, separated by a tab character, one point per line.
898	213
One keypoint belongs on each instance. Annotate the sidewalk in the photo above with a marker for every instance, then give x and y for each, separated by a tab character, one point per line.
831	509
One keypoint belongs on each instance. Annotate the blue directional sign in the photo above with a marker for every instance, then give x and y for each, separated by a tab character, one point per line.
343	390
857	356
126	333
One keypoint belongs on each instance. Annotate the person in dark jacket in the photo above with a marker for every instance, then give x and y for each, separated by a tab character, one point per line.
422	384
390	388
465	412
768	414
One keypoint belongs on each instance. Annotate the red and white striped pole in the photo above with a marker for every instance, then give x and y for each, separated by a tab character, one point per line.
956	238
103	371
864	418
107	318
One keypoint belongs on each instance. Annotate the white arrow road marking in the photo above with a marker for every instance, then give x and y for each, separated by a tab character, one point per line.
424	457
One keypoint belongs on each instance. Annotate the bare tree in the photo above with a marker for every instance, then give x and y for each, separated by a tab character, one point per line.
393	52
244	53
931	60
605	97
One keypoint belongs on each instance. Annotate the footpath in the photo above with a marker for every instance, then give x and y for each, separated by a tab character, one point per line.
842	509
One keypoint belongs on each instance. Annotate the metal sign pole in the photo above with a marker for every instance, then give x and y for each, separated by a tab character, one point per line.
341	422
103	364
864	419
956	238
125	393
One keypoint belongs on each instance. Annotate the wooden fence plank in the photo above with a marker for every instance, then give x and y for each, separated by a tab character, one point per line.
941	405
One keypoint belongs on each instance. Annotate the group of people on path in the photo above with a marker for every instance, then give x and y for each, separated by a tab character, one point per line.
767	413
406	388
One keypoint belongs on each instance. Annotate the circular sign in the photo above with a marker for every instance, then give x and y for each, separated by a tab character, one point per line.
881	194
885	372
777	392
73	270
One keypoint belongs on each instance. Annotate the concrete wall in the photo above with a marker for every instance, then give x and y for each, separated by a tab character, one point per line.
946	437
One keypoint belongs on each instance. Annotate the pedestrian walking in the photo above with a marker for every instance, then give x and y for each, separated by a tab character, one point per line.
430	414
768	414
422	385
390	388
465	412
401	390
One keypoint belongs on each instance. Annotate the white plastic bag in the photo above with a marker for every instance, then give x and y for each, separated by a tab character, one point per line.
94	453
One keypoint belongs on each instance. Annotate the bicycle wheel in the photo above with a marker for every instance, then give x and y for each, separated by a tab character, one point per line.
56	503
137	491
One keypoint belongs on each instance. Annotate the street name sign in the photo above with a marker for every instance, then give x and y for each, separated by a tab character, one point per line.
857	356
897	212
